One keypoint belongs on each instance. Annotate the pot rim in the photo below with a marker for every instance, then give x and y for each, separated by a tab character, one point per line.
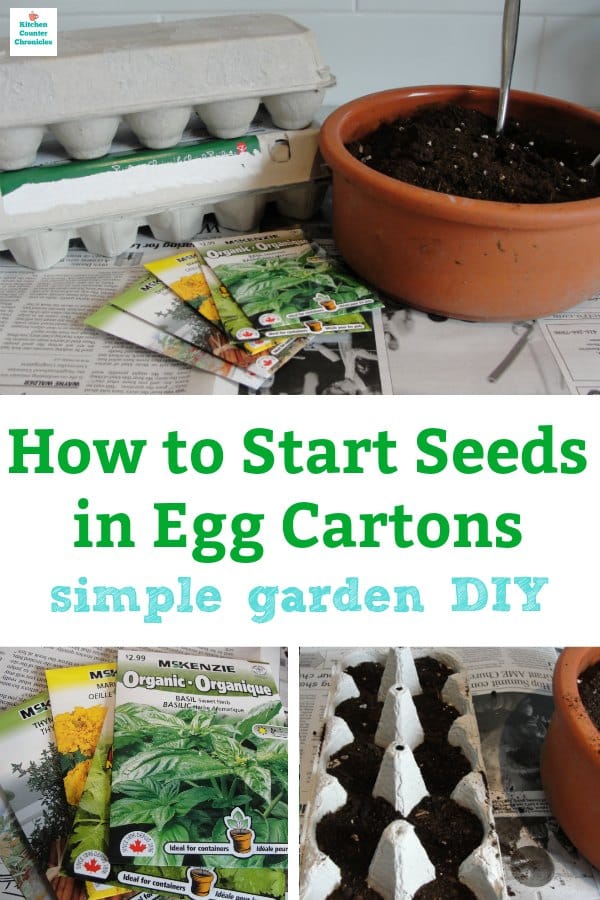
523	216
567	699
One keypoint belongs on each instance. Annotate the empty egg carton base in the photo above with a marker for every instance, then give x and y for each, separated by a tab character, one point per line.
156	76
105	202
374	786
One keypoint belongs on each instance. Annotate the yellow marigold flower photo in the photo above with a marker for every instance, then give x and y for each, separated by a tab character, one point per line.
75	782
79	730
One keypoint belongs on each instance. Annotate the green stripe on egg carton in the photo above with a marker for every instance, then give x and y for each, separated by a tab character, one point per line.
11	180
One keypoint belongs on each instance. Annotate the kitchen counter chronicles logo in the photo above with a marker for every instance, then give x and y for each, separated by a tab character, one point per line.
33	31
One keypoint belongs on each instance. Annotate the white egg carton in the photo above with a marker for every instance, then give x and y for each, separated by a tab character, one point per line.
104	203
400	865
156	76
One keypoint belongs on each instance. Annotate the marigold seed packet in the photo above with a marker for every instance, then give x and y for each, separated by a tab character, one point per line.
79	699
183	274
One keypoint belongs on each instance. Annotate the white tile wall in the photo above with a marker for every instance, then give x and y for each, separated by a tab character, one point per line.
376	44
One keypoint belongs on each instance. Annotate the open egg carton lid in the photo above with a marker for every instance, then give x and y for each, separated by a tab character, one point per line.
155	76
104	202
400	865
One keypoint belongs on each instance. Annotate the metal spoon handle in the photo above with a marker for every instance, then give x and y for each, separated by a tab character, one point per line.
510	28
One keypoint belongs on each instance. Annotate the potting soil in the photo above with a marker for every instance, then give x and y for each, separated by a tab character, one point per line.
453	150
589	690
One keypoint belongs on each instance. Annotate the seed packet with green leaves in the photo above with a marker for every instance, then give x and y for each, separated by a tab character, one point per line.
287	286
199	776
31	778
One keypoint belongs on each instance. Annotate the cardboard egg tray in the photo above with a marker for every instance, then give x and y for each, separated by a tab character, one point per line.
105	202
400	865
156	76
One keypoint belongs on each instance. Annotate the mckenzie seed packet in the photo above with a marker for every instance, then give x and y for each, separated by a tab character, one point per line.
151	301
79	699
183	274
286	286
85	855
186	275
120	324
31	778
199	777
19	875
235	321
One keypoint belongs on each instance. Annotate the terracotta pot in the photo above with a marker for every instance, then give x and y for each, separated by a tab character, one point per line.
470	259
570	763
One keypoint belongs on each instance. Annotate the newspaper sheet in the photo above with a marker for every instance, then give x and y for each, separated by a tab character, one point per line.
512	695
574	340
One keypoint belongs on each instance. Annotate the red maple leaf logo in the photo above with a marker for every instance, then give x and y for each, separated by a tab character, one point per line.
33	16
137	846
92	865
241	147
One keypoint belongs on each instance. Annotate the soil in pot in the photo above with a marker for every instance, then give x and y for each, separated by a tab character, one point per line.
449	833
589	691
454	150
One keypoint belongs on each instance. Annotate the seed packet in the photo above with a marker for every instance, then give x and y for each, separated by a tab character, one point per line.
18	871
183	274
286	286
85	855
79	698
199	776
236	323
151	301
193	282
115	321
31	778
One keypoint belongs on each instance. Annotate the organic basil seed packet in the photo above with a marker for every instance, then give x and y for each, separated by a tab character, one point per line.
199	777
287	286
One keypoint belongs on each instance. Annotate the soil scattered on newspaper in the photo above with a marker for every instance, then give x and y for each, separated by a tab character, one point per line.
350	835
589	690
453	150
